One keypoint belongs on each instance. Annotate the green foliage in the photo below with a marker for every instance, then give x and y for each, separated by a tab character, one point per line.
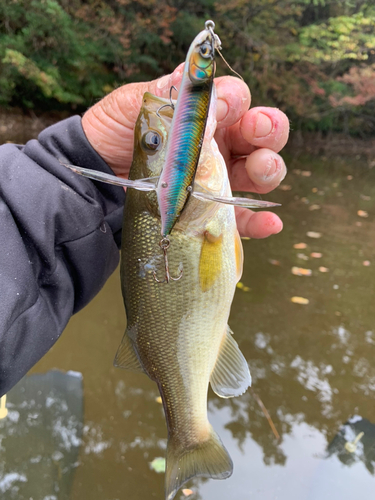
315	59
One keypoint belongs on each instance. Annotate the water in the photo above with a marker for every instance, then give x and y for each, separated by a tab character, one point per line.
312	365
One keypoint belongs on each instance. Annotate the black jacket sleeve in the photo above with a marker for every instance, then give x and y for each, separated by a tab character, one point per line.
59	237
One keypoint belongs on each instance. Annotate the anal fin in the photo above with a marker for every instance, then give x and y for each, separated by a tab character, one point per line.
126	357
231	376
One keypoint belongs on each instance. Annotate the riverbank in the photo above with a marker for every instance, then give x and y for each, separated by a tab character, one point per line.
16	126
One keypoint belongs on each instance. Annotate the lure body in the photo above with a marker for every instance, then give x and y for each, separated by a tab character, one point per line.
187	130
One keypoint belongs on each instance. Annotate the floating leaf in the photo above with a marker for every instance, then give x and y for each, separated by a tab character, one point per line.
362	213
158	465
314	207
305	200
245	238
300	246
274	262
313	234
300	271
306	173
366	263
302	256
349	177
323	269
243	287
187	492
364	197
159	400
300	300
316	255
358	223
285	187
315	190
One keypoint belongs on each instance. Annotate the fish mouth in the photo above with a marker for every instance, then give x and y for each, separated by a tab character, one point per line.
154	104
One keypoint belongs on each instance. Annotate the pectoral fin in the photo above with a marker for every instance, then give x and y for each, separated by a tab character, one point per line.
211	260
126	357
231	376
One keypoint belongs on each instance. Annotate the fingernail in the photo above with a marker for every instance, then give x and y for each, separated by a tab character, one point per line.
263	126
273	167
221	110
163	81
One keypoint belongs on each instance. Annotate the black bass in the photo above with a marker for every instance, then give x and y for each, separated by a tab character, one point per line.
178	333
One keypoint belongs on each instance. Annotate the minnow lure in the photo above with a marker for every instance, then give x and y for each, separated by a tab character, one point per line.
186	135
187	129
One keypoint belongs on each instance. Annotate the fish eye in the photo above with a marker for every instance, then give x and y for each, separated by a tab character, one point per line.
151	141
205	50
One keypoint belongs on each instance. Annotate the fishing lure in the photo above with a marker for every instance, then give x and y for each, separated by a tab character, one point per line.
186	135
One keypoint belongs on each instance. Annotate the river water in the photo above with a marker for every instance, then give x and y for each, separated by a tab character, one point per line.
312	364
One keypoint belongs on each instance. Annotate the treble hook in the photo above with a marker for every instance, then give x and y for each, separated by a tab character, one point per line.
164	245
171	102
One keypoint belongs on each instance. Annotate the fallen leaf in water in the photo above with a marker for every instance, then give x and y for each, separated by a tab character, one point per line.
314	207
323	269
158	400
338	313
366	263
305	200
274	262
241	286
245	238
300	271
362	213
158	464
364	197
314	190
300	246
300	300
335	185
296	171
306	173
358	223
187	492
316	255
349	177
285	187
313	234
302	256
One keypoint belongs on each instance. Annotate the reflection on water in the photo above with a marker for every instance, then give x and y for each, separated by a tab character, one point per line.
41	436
312	365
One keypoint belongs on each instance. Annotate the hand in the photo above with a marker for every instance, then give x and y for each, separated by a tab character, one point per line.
248	139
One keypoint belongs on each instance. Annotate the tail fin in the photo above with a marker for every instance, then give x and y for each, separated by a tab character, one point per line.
207	459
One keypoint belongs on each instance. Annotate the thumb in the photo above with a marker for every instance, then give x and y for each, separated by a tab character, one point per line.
124	103
109	124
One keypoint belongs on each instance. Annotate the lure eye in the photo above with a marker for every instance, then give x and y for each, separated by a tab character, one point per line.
205	50
151	141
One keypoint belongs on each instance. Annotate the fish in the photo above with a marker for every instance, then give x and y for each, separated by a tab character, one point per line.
178	334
